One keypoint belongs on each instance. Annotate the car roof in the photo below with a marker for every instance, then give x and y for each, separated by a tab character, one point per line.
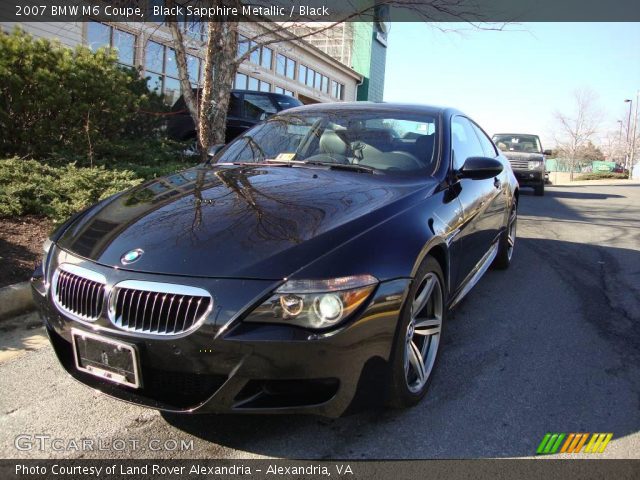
510	133
258	92
376	107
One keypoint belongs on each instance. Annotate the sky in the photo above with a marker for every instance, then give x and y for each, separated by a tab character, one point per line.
514	80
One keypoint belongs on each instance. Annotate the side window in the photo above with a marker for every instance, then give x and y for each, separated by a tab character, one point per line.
258	107
487	145
464	142
235	105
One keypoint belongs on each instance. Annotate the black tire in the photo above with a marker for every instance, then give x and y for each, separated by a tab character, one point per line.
539	190
505	245
400	393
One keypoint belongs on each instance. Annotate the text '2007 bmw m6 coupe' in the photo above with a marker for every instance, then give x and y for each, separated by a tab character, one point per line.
308	266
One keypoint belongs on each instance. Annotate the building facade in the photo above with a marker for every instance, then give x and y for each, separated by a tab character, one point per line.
290	66
359	45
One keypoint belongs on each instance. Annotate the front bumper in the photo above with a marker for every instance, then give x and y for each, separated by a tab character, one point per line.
530	178
227	365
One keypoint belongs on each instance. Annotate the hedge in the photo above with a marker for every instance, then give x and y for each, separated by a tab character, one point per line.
29	187
57	101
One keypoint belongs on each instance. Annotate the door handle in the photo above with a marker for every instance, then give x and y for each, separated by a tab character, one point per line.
496	182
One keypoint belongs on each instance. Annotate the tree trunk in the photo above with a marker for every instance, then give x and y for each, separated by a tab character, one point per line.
218	81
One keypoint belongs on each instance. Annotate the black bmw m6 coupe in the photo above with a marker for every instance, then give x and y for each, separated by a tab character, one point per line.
308	266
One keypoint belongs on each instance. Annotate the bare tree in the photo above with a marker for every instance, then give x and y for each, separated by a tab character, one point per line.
222	56
576	130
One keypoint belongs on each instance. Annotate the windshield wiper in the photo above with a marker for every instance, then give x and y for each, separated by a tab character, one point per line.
346	166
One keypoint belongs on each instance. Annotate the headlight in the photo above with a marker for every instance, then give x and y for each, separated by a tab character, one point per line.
535	164
46	248
315	303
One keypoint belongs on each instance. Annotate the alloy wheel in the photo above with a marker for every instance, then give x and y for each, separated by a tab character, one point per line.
423	332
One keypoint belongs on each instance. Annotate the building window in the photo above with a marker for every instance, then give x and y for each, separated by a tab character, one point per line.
194	70
337	90
195	28
171	90
265	86
124	43
283	91
254	56
241	81
302	73
325	84
266	58
171	67
154	57
310	77
253	84
291	68
243	45
161	69
281	64
285	66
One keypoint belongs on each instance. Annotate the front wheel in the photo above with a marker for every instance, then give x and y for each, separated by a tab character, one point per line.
507	241
418	337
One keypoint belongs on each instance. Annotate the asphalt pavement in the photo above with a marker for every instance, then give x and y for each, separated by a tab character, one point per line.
550	345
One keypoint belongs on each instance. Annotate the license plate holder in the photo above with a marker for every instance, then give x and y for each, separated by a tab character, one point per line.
106	358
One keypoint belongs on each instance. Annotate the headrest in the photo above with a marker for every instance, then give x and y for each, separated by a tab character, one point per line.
330	142
425	142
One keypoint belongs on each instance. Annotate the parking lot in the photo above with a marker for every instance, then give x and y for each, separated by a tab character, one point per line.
550	345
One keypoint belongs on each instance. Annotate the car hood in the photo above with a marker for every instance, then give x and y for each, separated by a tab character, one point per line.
237	221
529	157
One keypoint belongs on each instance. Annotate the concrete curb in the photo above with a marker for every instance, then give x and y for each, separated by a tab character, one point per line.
15	299
604	182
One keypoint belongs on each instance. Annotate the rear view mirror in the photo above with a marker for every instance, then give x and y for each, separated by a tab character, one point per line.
548	152
480	168
214	149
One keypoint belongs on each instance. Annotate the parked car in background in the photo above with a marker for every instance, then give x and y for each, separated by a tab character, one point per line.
313	258
526	156
246	108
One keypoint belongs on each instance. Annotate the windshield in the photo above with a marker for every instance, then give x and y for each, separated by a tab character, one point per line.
385	142
518	143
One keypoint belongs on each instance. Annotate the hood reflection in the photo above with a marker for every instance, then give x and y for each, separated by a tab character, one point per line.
229	217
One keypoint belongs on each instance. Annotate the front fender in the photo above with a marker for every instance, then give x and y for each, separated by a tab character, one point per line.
393	248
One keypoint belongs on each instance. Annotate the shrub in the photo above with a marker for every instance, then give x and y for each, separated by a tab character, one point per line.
59	101
601	176
29	187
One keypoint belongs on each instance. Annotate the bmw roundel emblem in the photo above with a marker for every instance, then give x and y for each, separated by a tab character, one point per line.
131	256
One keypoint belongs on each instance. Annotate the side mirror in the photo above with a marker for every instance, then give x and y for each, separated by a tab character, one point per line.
480	168
214	149
548	152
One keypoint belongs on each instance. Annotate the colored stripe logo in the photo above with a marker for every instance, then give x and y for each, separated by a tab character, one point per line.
573	443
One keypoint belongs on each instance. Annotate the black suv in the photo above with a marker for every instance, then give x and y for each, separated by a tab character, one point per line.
525	154
246	108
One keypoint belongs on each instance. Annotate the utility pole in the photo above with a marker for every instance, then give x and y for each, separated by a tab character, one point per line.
619	143
628	147
633	136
